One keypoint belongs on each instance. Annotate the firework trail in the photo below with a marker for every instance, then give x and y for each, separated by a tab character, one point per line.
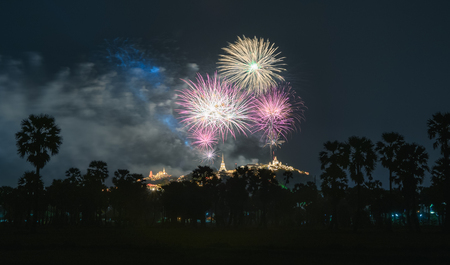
251	64
277	113
215	105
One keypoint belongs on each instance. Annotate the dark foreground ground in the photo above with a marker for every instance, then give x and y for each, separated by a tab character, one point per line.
221	246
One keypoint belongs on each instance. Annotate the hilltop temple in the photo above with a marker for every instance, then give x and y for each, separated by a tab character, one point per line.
158	176
275	165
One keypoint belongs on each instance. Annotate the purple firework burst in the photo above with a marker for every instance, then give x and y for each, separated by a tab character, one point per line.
204	138
277	113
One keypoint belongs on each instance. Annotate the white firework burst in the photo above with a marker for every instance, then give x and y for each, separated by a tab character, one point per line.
252	64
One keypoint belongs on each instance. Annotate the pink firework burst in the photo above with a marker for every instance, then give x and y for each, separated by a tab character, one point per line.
277	113
215	105
204	138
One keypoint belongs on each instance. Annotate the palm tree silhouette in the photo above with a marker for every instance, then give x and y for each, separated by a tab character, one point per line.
38	139
439	129
388	149
361	157
410	172
334	179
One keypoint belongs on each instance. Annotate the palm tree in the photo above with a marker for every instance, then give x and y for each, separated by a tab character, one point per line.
439	129
38	139
334	179
361	157
388	149
410	172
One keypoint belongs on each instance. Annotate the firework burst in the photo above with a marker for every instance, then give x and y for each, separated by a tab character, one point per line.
252	64
277	113
214	105
274	141
204	138
208	155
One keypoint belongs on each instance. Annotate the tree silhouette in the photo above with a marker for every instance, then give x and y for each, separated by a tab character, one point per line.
74	182
361	157
375	198
38	139
173	200
388	149
266	184
94	192
236	194
437	188
409	173
206	177
31	189
128	196
7	202
439	129
307	197
334	179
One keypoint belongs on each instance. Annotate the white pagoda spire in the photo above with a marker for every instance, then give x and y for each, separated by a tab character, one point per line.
222	165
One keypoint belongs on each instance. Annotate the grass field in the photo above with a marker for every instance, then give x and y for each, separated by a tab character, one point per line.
159	245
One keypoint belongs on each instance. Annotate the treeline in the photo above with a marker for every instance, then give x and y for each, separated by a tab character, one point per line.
250	197
79	199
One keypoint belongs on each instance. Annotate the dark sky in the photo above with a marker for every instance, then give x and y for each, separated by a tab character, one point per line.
362	68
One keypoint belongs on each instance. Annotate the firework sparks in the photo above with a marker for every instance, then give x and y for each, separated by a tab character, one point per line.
277	113
251	64
215	105
204	138
274	141
208	155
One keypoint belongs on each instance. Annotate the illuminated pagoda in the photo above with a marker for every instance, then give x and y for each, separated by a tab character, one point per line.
222	165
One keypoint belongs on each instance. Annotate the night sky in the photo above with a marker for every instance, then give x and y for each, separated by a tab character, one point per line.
108	72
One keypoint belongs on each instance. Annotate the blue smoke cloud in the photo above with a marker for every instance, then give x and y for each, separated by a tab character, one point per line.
170	122
136	62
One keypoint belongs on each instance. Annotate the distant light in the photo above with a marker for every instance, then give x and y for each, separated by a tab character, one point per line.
420	215
432	212
396	215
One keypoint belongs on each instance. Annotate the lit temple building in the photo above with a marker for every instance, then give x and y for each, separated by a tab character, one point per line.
158	176
276	165
154	182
